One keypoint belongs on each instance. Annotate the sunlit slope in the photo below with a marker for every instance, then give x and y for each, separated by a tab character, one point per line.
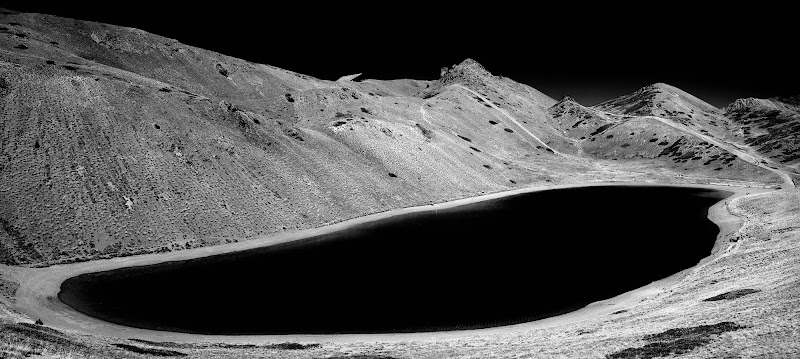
770	126
641	137
114	141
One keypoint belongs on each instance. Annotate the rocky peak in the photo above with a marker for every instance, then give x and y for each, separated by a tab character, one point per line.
743	103
660	86
467	69
566	102
565	99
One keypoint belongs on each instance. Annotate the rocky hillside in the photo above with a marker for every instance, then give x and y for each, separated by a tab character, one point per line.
763	128
770	126
115	141
633	128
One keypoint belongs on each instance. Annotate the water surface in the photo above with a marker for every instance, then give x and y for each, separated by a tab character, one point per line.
498	262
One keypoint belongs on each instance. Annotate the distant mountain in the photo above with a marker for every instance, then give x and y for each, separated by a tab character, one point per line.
115	141
630	128
770	126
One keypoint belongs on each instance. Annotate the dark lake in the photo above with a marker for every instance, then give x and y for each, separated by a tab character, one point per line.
504	261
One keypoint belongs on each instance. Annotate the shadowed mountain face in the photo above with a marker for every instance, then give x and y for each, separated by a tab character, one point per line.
115	141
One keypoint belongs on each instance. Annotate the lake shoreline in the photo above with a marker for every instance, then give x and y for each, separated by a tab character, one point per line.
39	287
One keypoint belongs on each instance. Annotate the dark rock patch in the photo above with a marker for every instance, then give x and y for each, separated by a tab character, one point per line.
675	341
222	70
150	351
734	294
425	132
392	175
362	356
600	129
293	133
291	346
508	130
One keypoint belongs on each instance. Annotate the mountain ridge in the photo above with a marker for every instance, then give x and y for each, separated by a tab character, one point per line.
118	142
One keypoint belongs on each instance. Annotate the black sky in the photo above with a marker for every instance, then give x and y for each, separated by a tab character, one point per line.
590	53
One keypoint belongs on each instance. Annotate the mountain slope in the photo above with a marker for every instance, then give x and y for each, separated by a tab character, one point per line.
114	141
770	126
632	133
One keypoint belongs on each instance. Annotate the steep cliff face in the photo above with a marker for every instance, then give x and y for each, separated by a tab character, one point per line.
115	141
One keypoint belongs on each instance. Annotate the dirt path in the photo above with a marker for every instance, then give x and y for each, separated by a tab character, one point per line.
745	156
424	113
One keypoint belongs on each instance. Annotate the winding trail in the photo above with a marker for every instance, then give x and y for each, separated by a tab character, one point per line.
424	113
510	118
747	157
